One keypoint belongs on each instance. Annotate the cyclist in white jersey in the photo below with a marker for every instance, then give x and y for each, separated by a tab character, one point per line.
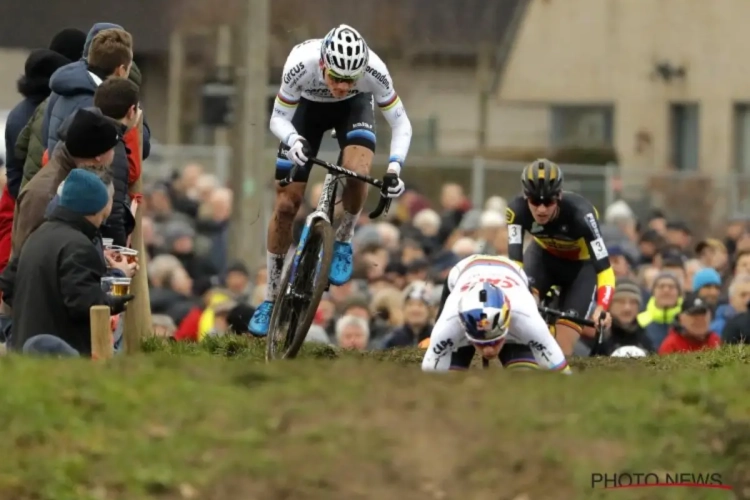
489	304
331	83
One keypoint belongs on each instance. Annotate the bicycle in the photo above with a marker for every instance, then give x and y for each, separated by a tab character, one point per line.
306	277
551	316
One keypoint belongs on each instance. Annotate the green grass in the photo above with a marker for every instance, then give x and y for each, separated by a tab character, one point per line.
210	421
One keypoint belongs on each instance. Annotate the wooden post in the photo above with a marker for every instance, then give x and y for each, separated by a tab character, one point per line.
138	314
101	333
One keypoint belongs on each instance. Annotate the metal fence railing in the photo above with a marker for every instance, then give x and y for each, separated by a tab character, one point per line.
701	199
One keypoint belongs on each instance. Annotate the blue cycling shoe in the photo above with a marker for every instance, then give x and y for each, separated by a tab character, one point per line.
341	264
258	325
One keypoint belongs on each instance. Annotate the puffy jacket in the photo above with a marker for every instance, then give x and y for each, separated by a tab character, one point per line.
75	88
30	146
723	314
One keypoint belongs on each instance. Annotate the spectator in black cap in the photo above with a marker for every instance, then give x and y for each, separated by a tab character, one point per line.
692	331
60	268
90	139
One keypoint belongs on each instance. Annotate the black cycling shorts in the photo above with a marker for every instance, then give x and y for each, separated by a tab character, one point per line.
576	279
353	120
512	356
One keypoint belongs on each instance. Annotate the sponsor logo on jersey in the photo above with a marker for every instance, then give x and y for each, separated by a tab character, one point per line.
442	347
379	77
324	92
536	228
591	221
540	348
400	111
294	74
362	125
510	216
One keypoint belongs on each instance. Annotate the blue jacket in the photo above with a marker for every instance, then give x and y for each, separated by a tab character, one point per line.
73	88
723	314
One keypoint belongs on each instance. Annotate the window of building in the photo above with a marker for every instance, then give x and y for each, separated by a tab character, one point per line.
684	121
742	138
582	126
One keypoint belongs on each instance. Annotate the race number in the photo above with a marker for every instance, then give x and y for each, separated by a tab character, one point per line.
515	234
600	250
505	282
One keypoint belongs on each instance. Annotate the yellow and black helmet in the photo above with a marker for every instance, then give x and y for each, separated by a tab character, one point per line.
542	180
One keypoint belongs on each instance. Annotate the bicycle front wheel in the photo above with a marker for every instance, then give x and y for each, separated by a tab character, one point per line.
301	290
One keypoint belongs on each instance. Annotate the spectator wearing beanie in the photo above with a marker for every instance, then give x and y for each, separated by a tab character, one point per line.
662	308
89	140
31	143
626	302
707	285
59	271
33	86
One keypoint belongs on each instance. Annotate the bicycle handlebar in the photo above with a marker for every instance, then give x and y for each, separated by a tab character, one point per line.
384	203
570	317
599	326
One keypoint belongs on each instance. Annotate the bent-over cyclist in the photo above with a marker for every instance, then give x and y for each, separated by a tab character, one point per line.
330	83
567	250
487	304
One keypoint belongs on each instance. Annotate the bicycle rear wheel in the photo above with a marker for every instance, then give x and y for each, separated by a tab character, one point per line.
301	291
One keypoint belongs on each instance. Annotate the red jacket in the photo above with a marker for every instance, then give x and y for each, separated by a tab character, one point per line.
675	342
7	208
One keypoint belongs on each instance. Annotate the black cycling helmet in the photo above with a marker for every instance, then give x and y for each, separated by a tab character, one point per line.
542	180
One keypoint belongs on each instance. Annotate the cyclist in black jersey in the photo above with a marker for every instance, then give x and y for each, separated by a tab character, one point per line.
567	249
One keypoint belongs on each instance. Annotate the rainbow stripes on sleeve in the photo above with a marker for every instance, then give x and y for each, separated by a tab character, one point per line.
286	102
390	103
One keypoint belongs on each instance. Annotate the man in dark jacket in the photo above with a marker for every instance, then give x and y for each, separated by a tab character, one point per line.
60	268
33	85
90	140
118	98
626	302
110	54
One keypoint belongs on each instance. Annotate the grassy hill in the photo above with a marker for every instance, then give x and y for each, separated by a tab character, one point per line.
212	422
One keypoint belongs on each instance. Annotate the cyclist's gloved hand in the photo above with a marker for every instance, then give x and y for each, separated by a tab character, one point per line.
395	186
299	149
117	304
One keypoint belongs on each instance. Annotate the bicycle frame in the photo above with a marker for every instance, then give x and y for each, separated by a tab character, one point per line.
323	211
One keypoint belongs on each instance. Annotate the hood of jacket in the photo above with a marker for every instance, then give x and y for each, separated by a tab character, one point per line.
73	79
95	29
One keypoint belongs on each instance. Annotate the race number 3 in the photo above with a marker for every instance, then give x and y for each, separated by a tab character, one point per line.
504	282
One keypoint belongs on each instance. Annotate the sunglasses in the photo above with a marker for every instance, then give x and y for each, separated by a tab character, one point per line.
547	203
340	79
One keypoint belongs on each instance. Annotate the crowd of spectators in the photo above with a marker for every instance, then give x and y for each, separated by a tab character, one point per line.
75	144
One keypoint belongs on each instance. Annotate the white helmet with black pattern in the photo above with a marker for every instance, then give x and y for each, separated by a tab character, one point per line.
344	52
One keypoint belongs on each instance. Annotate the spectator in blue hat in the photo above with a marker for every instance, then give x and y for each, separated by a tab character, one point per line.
59	269
619	261
707	286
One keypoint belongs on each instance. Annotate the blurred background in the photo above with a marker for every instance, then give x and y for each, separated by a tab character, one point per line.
642	101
